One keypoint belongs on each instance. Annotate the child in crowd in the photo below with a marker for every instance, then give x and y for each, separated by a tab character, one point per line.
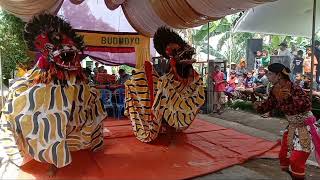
249	81
261	82
258	60
247	86
299	80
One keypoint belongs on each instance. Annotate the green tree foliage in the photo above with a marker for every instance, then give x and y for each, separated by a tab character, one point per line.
232	46
215	28
275	40
235	43
12	45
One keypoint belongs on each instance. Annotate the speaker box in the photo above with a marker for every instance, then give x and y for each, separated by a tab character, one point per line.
253	45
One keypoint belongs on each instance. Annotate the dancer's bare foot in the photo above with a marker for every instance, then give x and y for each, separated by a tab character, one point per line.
52	170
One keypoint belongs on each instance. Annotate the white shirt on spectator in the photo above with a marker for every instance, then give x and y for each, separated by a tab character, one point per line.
286	52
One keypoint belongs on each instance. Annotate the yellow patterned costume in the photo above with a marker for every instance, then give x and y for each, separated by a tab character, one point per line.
45	117
152	101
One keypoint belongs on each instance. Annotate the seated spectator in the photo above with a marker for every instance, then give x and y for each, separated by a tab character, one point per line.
231	84
260	83
123	77
299	80
249	81
247	87
241	69
306	83
306	87
241	80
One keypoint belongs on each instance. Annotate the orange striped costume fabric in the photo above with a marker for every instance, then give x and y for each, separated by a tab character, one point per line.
174	103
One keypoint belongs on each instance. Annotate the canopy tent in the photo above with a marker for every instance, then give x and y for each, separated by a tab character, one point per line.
283	17
94	16
99	25
25	9
147	15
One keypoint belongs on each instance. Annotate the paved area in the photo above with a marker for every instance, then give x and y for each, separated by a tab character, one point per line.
258	169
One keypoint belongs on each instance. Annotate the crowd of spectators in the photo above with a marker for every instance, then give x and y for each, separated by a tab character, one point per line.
253	85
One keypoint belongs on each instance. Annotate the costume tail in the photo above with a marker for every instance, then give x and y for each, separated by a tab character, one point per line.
139	103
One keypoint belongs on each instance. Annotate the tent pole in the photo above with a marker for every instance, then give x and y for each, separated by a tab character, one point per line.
208	50
209	85
313	45
230	49
1	83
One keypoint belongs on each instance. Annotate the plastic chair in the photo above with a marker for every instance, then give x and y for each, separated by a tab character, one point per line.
106	97
120	100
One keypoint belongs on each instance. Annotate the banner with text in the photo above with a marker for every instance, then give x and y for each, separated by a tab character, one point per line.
118	42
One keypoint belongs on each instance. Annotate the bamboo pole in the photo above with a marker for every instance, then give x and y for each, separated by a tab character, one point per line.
1	83
313	44
208	44
210	84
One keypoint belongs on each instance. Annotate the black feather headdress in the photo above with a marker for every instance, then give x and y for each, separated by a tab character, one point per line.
50	25
169	44
165	36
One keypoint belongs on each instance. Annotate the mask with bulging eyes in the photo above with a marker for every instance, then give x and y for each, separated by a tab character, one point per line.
60	50
184	60
185	55
171	46
59	45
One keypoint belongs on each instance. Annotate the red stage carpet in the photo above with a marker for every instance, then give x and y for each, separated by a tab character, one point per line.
202	149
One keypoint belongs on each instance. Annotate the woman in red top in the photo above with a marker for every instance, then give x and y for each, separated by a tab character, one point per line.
301	136
218	79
